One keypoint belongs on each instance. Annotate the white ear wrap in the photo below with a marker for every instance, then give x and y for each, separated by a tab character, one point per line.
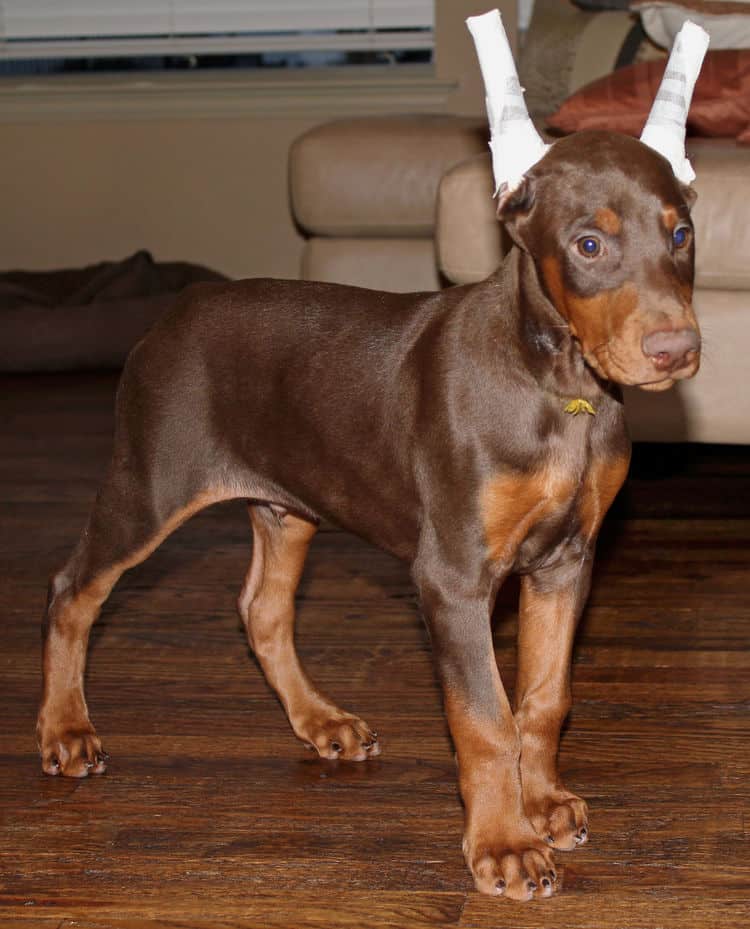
665	128
514	142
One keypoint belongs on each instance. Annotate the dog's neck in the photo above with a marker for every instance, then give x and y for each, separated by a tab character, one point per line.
551	352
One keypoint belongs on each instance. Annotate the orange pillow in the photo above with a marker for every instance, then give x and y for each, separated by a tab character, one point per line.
621	101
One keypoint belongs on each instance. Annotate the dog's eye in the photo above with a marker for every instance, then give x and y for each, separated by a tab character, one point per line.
589	246
681	236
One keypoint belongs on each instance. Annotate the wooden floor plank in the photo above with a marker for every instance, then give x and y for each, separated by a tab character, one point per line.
212	815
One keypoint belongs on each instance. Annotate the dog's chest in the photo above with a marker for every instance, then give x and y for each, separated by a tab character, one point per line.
524	515
531	516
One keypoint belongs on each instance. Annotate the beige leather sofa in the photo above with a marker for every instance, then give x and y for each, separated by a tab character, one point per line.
364	192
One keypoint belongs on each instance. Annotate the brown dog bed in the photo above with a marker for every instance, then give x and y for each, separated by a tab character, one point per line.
89	317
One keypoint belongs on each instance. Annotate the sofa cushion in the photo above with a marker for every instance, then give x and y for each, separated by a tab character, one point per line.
469	240
603	4
721	214
407	265
566	48
622	101
377	176
727	22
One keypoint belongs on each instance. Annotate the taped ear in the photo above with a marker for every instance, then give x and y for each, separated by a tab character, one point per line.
689	193
516	145
665	128
511	203
514	207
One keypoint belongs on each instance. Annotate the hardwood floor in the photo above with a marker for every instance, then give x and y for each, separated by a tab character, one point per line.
213	815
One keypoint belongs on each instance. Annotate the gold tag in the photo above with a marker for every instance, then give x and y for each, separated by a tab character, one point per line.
579	405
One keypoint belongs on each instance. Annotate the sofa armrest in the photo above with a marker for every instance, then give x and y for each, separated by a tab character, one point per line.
469	238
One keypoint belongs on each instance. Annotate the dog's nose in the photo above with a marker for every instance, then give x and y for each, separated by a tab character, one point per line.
668	349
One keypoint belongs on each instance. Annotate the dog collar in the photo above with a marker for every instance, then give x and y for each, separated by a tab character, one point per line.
579	405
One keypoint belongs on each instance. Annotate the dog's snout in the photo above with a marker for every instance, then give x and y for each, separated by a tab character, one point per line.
668	349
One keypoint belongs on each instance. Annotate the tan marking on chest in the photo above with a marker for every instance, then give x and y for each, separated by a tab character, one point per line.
604	478
513	503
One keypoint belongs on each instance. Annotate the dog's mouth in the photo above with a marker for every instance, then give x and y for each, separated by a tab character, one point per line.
640	371
656	386
687	370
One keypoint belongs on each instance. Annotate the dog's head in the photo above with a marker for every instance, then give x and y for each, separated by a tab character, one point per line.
606	218
608	226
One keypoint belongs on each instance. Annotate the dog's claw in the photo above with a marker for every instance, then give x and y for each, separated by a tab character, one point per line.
340	737
515	872
561	819
73	752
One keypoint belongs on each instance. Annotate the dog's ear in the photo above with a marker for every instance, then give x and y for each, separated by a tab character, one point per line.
665	129
514	207
689	194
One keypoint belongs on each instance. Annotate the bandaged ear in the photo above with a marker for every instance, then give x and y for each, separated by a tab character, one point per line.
515	208
516	201
515	144
665	128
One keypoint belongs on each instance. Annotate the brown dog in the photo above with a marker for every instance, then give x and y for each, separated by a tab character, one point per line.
444	428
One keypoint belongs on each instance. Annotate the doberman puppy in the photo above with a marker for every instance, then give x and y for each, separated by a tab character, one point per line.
441	427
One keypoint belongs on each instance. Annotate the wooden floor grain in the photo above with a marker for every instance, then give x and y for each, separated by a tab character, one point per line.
213	815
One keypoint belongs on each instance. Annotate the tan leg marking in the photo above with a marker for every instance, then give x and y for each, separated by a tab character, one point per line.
266	605
548	620
603	481
545	638
502	850
67	740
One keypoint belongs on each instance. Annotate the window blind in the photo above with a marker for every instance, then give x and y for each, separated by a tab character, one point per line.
104	28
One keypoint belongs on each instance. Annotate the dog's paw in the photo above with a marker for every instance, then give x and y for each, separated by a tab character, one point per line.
561	819
339	736
519	869
75	751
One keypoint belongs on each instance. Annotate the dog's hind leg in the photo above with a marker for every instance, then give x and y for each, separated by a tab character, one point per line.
128	521
266	606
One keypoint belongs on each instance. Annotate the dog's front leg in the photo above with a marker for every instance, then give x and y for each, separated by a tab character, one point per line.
551	602
504	853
